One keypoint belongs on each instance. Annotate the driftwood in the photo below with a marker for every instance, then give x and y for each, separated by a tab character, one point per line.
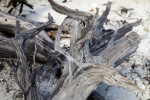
45	71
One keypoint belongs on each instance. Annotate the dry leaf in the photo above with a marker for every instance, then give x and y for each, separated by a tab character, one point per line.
91	10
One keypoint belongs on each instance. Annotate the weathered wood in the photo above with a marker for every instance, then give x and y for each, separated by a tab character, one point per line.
73	74
85	16
23	74
42	38
121	48
82	83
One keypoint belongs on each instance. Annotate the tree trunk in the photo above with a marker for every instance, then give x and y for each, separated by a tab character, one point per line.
45	71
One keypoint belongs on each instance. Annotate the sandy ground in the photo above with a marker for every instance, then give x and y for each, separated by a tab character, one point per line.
137	9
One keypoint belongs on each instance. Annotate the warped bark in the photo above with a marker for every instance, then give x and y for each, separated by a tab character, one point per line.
64	75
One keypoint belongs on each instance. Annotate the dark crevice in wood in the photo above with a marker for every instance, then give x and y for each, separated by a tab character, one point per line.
95	96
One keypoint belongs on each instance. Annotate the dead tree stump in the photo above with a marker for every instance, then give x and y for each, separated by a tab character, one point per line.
45	71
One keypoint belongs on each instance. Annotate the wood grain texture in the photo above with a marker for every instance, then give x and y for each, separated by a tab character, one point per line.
70	74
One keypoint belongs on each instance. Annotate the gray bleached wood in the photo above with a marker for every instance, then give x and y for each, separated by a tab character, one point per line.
42	38
72	74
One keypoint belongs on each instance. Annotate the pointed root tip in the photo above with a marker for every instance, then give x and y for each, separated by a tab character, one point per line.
139	21
109	3
97	9
50	17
